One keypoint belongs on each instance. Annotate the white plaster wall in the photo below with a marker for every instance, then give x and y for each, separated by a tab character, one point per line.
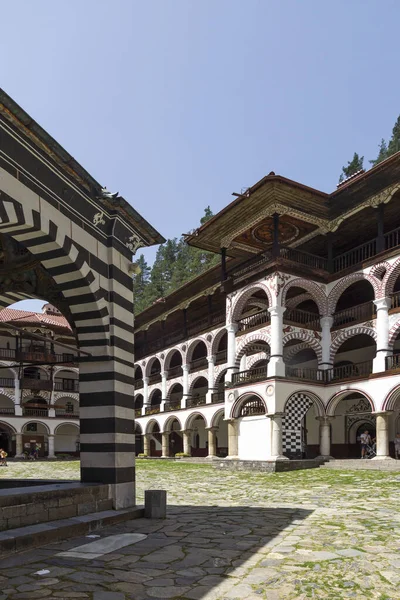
254	438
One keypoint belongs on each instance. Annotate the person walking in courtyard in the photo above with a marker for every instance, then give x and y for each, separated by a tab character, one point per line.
3	458
397	445
365	440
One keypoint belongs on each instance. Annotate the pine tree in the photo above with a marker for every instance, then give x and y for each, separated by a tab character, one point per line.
356	164
383	153
140	283
394	144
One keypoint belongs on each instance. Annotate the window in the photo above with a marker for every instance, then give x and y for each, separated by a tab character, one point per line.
252	406
69	407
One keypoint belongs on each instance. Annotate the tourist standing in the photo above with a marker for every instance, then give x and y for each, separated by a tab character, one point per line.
3	458
365	440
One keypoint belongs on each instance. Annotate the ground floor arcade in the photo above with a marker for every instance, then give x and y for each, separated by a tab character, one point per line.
48	438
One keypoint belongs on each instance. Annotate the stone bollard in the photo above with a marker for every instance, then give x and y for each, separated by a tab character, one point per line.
155	504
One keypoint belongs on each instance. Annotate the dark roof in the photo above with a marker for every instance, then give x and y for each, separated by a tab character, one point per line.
47	143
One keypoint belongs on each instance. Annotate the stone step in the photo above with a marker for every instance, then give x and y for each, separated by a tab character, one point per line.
362	465
33	536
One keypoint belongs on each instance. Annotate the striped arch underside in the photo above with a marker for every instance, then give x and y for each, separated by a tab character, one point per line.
103	320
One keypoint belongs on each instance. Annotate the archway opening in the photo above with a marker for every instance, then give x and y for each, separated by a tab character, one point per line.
155	372
175	397
254	441
221	354
254	352
199	437
7	406
7	439
35	407
354	358
199	391
138	376
301	360
174	365
353	415
300	427
138	405
199	357
175	438
221	434
254	313
67	407
301	309
35	439
355	305
155	402
155	443
139	444
66	439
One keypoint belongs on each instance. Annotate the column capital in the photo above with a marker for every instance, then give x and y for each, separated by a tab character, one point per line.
146	380
186	430
382	413
164	374
276	414
277	310
185	368
232	327
325	418
214	428
326	321
383	303
50	435
211	359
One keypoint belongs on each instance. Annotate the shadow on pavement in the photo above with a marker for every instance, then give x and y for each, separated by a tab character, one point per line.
197	552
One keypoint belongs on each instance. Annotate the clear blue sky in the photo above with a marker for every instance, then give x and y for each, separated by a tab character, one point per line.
178	103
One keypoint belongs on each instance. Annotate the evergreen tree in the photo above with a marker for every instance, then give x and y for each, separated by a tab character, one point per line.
140	283
394	144
356	164
383	153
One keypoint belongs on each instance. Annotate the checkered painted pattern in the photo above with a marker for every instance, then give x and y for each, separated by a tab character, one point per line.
296	408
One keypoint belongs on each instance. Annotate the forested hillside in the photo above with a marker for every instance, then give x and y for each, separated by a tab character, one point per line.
176	262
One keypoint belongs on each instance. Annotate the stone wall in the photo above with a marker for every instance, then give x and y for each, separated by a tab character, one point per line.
266	466
40	504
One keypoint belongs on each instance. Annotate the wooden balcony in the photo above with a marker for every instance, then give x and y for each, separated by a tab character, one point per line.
360	370
6	382
251	376
195	401
221	357
217	397
138	412
138	385
7	411
152	410
355	314
172	405
154	378
32	411
7	354
36	384
393	362
63	414
199	364
302	318
175	372
254	321
67	385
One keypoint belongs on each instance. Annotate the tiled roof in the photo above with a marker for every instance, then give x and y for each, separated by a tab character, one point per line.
24	317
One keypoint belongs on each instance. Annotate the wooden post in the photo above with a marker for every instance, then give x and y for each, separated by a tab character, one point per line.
380	242
275	242
209	307
223	264
185	322
330	251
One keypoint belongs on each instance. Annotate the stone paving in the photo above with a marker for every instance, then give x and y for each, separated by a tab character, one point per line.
305	534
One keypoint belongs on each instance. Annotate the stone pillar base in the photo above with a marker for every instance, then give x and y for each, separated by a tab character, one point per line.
322	457
279	457
383	458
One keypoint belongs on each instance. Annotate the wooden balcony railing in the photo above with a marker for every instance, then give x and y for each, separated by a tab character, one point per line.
36	384
341	373
7	354
35	412
355	256
175	372
138	384
221	357
250	376
303	318
138	412
392	239
393	362
198	364
304	258
395	300
6	382
258	320
67	385
152	410
195	401
172	405
63	414
355	314
154	378
217	397
7	411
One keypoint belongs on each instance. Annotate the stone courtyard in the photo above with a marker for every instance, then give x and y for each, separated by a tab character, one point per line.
230	535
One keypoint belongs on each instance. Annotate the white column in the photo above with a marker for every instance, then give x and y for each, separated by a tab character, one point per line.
52	410
243	363
163	389
276	437
324	437
165	444
211	378
50	439
212	450
17	396
382	436
233	442
18	446
185	369
326	324
145	391
186	441
382	333
276	366
146	444
231	353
